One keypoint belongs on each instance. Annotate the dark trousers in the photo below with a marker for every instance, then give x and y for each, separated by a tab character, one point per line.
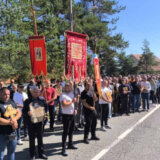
91	123
125	104
25	125
104	114
153	96
145	97
51	115
35	131
68	128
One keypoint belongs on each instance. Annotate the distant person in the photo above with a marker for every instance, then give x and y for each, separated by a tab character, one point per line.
10	87
50	96
145	88
19	98
31	84
1	84
14	89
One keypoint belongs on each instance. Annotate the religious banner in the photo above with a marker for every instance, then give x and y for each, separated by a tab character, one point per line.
38	55
75	59
97	74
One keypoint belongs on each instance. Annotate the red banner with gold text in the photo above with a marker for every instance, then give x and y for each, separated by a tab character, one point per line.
75	59
97	74
38	55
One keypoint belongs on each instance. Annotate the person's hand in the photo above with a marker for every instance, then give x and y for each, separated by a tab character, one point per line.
74	100
30	113
92	108
75	112
14	123
125	92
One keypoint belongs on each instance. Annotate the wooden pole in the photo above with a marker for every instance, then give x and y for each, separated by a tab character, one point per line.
71	16
34	19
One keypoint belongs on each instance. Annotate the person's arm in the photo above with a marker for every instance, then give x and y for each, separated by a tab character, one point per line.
5	122
67	103
85	104
149	87
18	115
54	97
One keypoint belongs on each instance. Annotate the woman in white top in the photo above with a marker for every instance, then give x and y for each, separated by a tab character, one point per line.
68	111
104	104
145	88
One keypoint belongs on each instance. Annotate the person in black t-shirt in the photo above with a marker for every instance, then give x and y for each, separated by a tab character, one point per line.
136	91
9	114
124	93
88	97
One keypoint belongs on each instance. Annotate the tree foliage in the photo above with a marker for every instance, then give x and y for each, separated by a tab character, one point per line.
92	17
147	60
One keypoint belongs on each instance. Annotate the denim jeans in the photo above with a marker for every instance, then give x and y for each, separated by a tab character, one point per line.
146	97
19	128
11	147
56	103
136	101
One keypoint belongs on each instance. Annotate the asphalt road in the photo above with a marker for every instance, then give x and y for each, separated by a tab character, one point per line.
141	144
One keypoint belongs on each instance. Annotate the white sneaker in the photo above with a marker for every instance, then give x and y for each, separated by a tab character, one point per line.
103	128
108	127
26	138
19	142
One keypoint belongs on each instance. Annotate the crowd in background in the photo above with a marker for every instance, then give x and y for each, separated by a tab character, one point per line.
72	105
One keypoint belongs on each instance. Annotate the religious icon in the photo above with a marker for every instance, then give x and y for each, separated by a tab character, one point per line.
109	96
76	51
38	53
38	113
125	88
10	112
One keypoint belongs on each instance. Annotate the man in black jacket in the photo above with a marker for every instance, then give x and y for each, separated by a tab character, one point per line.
35	109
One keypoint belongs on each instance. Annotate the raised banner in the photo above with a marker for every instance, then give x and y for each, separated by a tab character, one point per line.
97	74
38	55
76	56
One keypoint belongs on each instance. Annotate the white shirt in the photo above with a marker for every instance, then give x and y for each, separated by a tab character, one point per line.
146	85
104	90
67	97
18	98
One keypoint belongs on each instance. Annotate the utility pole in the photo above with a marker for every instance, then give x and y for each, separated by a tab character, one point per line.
71	16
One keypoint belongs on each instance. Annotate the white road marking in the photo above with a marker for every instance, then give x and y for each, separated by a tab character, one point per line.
124	134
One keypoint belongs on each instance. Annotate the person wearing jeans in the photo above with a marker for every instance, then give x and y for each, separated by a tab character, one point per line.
9	114
136	92
11	146
50	96
145	87
18	98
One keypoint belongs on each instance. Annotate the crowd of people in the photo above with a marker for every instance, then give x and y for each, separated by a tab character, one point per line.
74	105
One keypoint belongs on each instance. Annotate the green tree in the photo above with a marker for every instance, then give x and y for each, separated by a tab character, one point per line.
13	51
126	65
147	59
95	18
